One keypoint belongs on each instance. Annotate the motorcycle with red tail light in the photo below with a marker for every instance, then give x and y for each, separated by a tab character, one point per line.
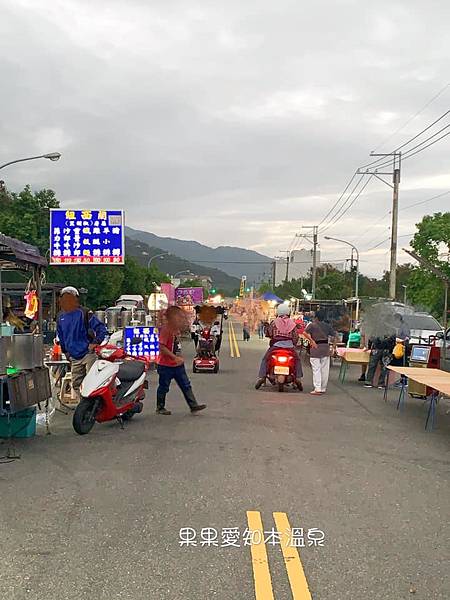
114	388
281	368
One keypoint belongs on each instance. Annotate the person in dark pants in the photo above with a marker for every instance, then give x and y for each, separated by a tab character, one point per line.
246	331
171	365
380	353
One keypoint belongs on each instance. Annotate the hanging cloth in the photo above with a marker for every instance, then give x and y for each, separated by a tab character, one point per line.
32	304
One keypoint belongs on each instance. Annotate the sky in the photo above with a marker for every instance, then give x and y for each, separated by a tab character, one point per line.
230	123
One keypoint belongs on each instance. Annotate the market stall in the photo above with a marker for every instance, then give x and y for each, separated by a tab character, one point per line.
24	381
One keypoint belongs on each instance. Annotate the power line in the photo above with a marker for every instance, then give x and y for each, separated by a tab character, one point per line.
408	141
339	216
427	200
428	145
410	152
435	97
387	240
339	199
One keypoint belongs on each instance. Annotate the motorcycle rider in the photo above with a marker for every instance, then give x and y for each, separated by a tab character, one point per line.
283	333
79	331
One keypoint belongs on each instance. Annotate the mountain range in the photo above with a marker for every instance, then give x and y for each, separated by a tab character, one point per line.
231	260
174	264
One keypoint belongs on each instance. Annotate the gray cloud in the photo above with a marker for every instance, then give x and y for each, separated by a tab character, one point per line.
232	123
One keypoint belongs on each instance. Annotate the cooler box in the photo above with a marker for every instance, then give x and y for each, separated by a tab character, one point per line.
19	425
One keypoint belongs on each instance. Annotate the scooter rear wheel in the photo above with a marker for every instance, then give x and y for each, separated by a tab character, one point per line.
83	419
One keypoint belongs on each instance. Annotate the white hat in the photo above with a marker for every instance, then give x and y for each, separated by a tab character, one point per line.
70	290
283	309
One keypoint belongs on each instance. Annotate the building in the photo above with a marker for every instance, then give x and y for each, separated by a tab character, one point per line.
300	265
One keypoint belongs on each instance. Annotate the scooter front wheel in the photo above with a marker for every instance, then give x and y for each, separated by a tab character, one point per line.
83	417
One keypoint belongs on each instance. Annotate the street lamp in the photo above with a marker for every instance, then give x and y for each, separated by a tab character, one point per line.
53	156
357	271
162	255
181	273
404	293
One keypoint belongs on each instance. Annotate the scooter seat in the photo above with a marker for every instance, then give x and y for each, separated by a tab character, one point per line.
130	370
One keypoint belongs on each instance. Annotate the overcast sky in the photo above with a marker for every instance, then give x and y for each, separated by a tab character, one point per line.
232	123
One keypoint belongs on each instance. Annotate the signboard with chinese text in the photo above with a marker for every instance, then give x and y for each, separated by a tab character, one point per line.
93	237
149	345
189	296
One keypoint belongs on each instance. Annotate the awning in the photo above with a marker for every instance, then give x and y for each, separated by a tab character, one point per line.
14	254
271	297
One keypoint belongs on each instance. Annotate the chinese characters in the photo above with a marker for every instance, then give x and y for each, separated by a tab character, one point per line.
86	237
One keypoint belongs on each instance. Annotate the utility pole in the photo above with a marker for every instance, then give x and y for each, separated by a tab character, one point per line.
396	168
315	243
274	271
288	258
394	231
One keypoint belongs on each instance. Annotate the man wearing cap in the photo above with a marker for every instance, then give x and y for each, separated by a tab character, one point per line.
79	331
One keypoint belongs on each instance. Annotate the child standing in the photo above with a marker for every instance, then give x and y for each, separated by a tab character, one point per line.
171	365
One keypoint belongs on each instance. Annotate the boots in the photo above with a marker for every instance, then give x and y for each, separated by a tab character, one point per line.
191	400
161	405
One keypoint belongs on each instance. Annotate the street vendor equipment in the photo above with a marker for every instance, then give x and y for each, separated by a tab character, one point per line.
114	388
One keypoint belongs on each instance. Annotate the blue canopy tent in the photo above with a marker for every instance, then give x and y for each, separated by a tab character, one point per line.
270	296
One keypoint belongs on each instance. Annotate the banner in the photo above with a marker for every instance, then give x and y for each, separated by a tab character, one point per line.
149	345
80	237
169	291
189	296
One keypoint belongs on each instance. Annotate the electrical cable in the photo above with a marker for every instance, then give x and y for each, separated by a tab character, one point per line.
382	158
339	199
410	152
424	201
329	225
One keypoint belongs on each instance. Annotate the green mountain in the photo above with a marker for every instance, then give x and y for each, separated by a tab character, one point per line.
172	264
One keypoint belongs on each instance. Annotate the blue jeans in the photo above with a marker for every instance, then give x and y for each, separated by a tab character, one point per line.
166	374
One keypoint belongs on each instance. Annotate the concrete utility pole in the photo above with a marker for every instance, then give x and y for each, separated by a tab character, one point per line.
354	249
394	232
396	168
288	258
315	243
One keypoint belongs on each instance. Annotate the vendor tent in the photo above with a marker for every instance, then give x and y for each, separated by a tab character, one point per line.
15	254
271	297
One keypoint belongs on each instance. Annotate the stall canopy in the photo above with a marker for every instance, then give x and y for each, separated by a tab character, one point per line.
271	297
17	255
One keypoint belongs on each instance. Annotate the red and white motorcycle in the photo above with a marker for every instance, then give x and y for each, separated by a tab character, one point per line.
114	388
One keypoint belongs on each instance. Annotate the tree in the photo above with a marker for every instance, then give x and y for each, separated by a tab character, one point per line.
264	287
26	216
432	242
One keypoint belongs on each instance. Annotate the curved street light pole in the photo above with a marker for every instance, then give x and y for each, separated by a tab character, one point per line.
181	273
151	259
357	271
53	156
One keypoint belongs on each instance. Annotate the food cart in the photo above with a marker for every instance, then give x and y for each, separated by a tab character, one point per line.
24	381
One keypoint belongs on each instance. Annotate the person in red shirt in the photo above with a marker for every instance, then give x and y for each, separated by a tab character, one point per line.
171	364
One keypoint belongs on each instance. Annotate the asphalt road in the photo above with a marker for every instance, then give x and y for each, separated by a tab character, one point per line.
99	517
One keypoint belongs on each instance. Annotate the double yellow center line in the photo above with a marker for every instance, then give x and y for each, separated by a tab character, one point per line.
260	562
234	348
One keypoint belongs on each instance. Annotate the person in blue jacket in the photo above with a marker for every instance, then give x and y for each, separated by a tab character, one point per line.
79	331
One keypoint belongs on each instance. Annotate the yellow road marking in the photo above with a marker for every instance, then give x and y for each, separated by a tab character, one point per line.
260	562
294	567
236	346
230	340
